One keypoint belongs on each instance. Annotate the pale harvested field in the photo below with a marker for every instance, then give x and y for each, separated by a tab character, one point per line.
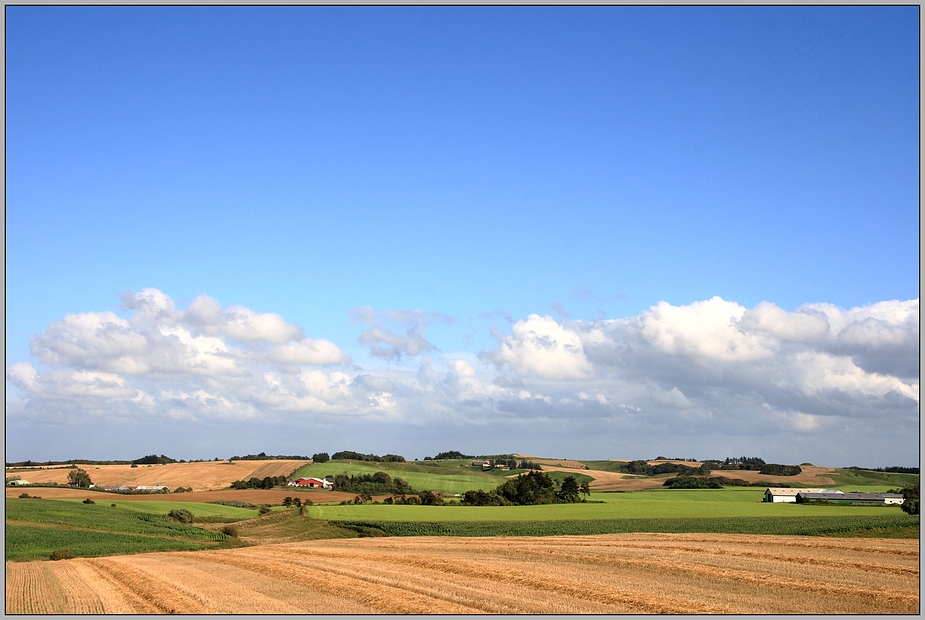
618	573
612	481
199	476
272	497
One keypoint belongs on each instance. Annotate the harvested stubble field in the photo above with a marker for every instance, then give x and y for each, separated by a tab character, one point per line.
199	476
623	573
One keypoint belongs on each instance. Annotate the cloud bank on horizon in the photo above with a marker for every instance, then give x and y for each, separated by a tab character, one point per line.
590	231
712	367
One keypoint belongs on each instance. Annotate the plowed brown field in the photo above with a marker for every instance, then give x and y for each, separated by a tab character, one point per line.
199	476
618	573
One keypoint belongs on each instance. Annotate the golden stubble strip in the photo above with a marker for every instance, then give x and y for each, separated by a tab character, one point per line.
225	592
145	592
581	590
30	587
381	598
479	592
891	569
743	576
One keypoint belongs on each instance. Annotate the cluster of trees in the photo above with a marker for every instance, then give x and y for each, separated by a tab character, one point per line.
379	482
773	469
79	477
448	456
910	493
424	498
525	464
296	501
665	458
257	483
644	469
153	459
743	462
321	457
529	489
349	455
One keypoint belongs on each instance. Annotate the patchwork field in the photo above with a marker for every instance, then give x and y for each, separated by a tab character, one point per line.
199	476
624	573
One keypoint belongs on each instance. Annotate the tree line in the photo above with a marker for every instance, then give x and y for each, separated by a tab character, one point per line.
267	482
379	482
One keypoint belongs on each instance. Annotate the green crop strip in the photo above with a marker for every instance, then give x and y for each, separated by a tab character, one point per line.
796	526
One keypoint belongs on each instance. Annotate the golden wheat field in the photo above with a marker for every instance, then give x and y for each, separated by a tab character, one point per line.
200	476
618	573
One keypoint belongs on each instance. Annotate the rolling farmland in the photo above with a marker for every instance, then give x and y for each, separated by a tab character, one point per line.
622	573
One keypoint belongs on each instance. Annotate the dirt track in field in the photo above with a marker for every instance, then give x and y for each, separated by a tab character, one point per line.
617	573
199	476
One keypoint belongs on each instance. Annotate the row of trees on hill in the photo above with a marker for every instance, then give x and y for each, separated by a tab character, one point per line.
264	457
259	483
379	482
770	469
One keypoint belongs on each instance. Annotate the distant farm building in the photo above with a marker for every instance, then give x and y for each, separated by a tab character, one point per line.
151	489
851	499
780	495
312	483
18	483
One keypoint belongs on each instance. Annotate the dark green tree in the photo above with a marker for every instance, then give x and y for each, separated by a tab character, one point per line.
585	489
287	502
321	457
911	503
568	492
79	477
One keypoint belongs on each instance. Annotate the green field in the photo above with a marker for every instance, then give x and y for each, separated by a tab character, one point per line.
445	476
897	525
200	509
37	527
728	502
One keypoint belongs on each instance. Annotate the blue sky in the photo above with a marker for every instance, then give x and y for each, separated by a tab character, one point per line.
411	185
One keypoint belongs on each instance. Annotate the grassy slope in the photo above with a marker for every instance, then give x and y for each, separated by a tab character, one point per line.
859	478
200	509
446	476
35	528
729	502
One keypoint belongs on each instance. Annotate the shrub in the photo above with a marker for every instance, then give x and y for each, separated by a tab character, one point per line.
230	530
112	505
181	514
23	495
89	501
61	554
264	509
